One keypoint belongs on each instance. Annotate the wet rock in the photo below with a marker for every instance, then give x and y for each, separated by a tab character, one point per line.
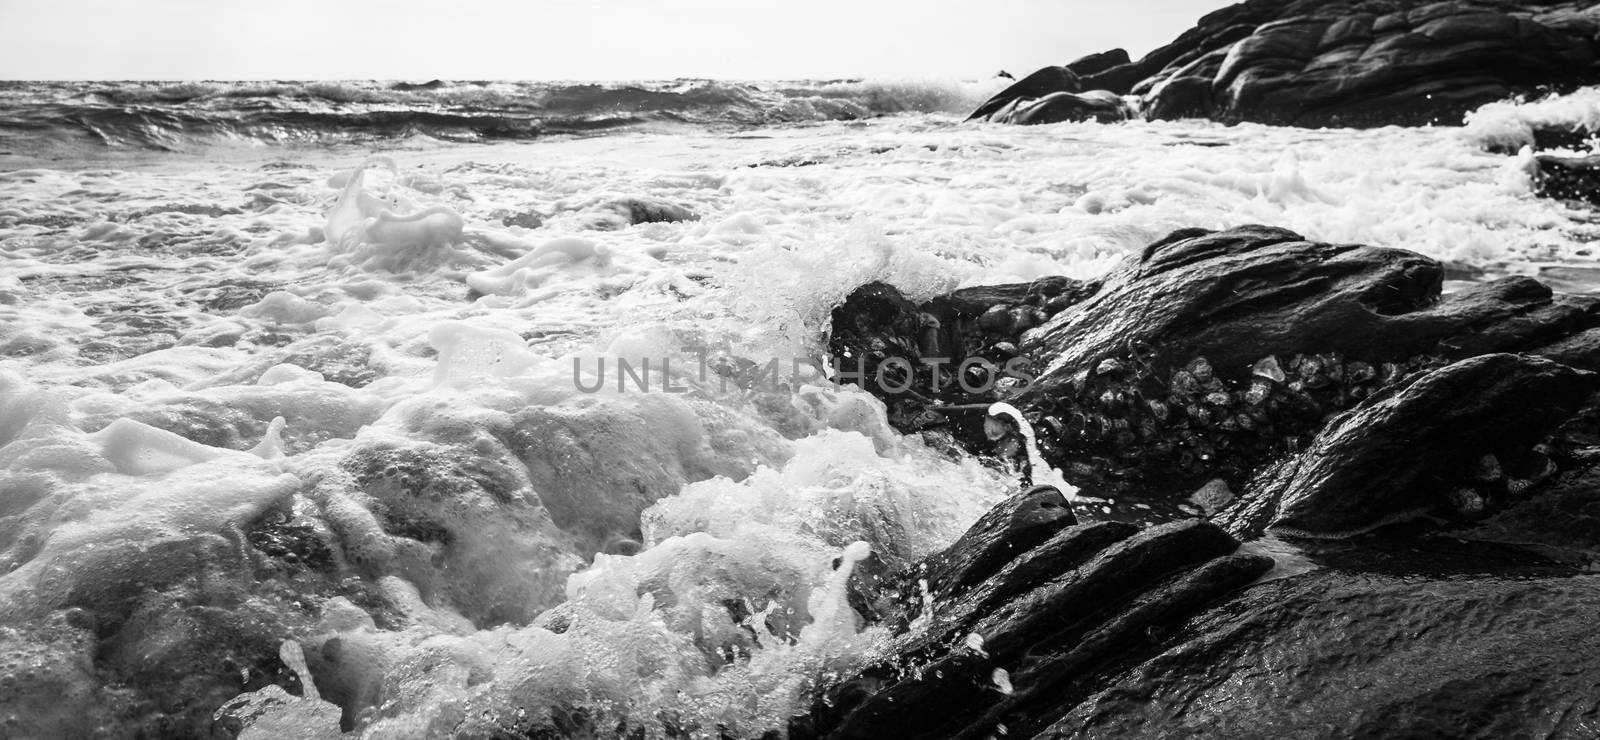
188	658
953	349
1335	653
1364	63
649	210
1181	97
1017	525
1212	353
1567	178
1204	358
1406	452
463	525
983	662
1046	81
1012	528
523	219
1577	137
48	683
1095	105
1565	517
1240	295
1098	62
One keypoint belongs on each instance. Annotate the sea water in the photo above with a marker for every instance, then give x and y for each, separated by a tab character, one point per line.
211	348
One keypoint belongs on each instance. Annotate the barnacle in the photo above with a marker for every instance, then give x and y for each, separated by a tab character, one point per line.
1158	409
1267	367
1109	366
1467	502
1184	383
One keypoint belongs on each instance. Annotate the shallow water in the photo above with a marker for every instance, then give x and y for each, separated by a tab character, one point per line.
497	543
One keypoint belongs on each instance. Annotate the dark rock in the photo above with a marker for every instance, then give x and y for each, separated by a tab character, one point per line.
1096	606
1205	357
1099	62
1404	453
1181	97
1240	295
1336	653
1336	389
1212	352
1567	178
1015	526
951	350
1581	350
1574	137
1026	624
523	219
1037	85
1361	63
1095	105
1048	683
1067	548
649	210
413	86
1564	518
1150	635
1010	529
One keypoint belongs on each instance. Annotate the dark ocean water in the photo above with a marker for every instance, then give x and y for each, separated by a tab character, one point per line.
172	116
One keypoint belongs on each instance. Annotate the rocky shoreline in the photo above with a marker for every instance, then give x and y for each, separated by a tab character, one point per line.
1307	63
1414	469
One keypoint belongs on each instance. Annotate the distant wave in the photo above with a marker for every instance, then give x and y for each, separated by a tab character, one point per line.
176	115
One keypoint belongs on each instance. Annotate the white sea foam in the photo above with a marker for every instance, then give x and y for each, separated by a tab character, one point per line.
1510	125
509	544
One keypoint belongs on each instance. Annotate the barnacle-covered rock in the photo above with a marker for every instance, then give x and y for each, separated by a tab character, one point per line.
1415	450
1252	338
955	349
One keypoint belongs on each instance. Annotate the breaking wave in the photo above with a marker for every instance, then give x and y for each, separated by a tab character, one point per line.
169	116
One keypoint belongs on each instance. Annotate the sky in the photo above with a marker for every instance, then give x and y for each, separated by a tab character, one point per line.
569	39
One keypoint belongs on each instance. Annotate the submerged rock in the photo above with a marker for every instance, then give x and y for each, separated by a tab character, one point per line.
1567	178
640	210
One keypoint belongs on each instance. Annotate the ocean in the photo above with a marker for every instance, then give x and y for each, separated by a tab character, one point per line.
304	379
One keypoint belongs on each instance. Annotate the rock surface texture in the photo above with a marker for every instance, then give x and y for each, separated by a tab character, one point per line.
1412	476
1362	63
1211	355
